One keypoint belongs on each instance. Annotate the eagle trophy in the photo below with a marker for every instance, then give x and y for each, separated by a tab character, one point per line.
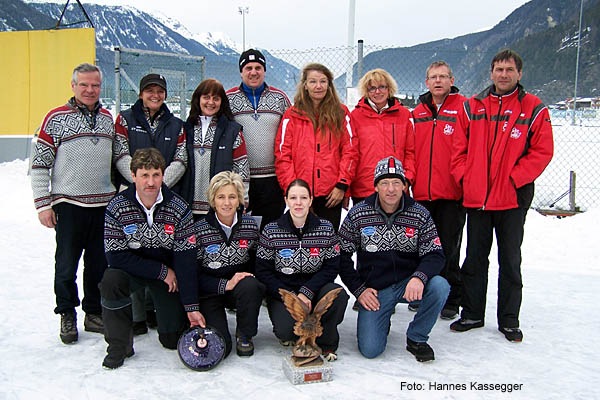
308	326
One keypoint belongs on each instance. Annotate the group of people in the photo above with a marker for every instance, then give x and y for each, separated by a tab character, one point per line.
187	219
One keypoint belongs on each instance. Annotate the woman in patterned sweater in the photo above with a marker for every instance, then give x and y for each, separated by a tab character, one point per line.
300	253
214	142
227	241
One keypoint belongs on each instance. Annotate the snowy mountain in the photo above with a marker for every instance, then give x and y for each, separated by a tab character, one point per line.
129	27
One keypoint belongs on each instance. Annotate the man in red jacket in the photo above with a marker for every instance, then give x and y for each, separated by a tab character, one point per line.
435	126
505	145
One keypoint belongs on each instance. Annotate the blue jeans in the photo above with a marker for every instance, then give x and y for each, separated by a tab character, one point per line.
373	326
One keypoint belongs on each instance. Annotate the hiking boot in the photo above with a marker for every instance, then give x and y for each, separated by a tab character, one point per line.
512	334
449	313
244	345
330	355
463	324
114	361
139	328
151	319
414	307
421	350
68	327
93	323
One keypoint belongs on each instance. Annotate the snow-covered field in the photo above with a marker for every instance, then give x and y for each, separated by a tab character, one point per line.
557	359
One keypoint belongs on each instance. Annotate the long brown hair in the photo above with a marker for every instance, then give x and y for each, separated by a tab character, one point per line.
211	87
331	114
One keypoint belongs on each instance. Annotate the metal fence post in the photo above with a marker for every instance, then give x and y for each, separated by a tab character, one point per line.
359	66
572	186
117	80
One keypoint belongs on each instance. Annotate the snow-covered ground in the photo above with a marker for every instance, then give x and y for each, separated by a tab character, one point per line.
557	359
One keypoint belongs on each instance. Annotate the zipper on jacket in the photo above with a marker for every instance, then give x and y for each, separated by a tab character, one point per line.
394	137
431	156
487	194
254	106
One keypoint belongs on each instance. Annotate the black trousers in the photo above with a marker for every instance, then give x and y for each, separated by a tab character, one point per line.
116	288
283	323
333	215
266	199
508	225
449	218
78	230
246	298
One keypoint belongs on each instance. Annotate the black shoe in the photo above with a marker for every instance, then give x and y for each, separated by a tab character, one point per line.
151	319
68	327
512	334
139	328
421	350
93	323
414	307
463	325
449	313
244	345
114	361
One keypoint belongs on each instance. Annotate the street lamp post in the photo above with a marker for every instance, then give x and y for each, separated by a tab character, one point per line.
243	11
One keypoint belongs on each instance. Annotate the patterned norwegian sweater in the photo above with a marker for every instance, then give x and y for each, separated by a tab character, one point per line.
389	248
260	126
202	163
298	261
72	158
219	258
146	251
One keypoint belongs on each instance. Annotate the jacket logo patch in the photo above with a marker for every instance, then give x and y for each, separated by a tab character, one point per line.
222	147
448	129
314	252
515	133
243	243
437	241
504	126
368	231
508	112
214	265
337	248
169	229
192	239
410	232
451	111
286	253
130	229
213	249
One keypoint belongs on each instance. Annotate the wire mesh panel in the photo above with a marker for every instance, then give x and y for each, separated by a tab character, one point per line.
182	72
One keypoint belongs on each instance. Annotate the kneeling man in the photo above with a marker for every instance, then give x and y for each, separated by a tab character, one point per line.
399	257
149	241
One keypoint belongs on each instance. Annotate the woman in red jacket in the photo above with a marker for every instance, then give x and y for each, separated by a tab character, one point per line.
315	143
384	128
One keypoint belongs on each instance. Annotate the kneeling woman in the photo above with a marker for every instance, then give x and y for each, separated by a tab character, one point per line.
300	253
227	241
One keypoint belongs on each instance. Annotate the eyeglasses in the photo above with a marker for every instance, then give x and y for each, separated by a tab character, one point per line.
373	89
440	77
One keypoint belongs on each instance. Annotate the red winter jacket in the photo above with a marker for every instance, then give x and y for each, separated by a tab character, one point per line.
381	135
434	130
506	143
319	159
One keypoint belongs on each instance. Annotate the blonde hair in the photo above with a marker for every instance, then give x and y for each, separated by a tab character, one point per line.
331	113
225	178
377	75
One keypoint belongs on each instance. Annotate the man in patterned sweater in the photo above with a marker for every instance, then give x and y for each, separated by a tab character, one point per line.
259	108
70	179
399	258
150	242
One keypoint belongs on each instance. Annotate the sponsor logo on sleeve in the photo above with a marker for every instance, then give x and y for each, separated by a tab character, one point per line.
169	229
437	241
410	232
192	239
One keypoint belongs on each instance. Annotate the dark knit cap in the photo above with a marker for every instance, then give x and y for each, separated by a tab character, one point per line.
389	167
153	79
252	55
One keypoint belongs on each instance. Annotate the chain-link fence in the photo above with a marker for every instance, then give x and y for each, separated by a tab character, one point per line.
576	140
